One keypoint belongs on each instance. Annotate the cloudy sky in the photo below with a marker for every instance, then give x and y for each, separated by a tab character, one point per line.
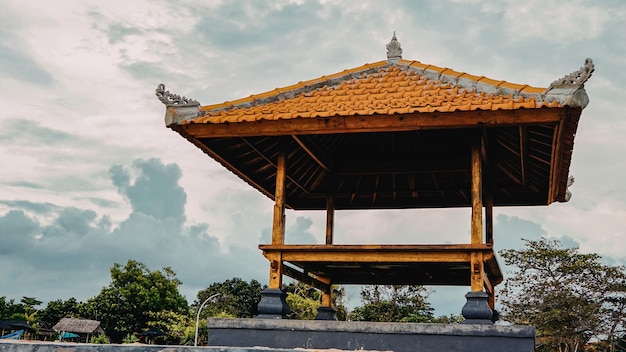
91	176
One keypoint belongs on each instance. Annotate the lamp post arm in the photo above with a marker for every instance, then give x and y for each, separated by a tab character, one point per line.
195	343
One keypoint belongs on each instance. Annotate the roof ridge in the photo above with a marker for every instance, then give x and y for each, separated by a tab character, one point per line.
472	82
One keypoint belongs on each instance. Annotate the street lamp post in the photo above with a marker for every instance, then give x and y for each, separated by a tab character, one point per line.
195	343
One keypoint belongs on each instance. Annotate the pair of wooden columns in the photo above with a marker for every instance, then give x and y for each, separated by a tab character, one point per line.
278	228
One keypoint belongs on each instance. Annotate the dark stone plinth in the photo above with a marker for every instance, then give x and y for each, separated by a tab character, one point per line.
326	313
476	310
273	304
28	346
398	337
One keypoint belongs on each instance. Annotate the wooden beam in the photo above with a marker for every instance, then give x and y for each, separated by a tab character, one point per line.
371	123
305	278
477	201
330	218
509	174
313	151
378	253
523	154
269	161
555	163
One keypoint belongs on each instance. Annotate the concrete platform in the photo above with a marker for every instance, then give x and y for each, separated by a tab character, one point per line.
399	337
29	346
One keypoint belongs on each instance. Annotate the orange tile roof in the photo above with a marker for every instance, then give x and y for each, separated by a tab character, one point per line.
382	88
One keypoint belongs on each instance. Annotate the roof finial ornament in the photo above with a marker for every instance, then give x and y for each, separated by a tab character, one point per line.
168	98
394	51
577	78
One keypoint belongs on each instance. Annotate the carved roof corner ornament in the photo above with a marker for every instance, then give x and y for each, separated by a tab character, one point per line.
394	51
577	78
168	98
568	194
178	109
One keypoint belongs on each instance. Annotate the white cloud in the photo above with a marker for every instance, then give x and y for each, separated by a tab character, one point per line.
555	21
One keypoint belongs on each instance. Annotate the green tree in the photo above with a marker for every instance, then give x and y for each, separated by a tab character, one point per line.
173	324
393	303
30	312
55	310
133	297
568	296
339	303
9	310
448	319
303	300
236	298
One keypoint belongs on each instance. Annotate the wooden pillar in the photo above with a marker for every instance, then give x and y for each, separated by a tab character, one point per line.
327	296
477	263
489	212
330	218
477	198
477	309
478	272
278	224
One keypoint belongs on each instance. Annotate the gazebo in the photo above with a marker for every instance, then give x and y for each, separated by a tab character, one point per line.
394	134
69	327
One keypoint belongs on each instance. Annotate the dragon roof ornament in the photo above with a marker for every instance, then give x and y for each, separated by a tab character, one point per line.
577	78
168	98
394	51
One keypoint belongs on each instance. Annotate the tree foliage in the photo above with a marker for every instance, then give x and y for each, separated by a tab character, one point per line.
58	309
393	303
235	297
9	310
568	296
133	297
303	300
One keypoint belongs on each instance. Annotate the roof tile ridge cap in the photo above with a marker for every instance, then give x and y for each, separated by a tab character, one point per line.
413	63
452	76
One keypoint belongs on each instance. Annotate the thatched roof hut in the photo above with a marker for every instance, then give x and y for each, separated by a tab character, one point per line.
80	326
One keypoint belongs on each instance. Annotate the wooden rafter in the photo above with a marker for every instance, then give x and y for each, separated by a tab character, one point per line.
523	153
313	151
269	161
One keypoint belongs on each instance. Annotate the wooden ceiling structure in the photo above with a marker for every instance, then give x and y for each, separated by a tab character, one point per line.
395	134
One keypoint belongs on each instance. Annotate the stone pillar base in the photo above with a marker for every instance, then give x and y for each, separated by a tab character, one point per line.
273	304
326	313
476	310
